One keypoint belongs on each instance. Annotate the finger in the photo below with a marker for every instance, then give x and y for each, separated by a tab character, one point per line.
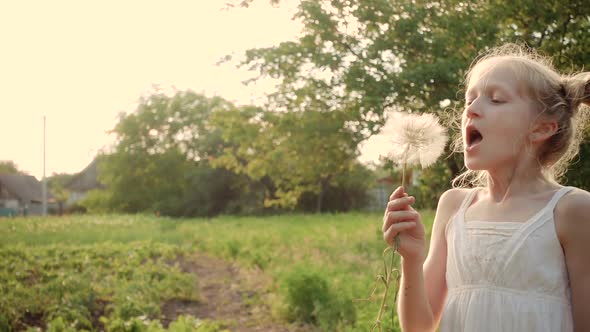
397	193
397	217
400	203
395	229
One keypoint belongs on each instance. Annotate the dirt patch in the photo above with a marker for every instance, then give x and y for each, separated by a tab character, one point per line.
98	310
230	294
31	319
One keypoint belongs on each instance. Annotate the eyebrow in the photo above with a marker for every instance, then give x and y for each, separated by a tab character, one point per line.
491	87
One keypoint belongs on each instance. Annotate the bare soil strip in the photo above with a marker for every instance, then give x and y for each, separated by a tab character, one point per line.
228	294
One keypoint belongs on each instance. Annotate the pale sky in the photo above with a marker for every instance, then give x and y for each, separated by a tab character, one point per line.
80	63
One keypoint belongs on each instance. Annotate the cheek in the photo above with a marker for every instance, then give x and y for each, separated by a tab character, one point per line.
509	138
513	128
510	131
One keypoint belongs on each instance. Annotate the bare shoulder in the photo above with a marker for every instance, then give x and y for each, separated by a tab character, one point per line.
572	215
448	204
572	223
451	199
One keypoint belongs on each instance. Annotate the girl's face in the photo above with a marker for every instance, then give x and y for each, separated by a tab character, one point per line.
497	117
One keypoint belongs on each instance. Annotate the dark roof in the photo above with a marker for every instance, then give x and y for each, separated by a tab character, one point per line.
25	187
87	179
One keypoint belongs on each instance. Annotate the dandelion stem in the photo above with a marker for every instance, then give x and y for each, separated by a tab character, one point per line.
404	164
416	139
388	271
404	174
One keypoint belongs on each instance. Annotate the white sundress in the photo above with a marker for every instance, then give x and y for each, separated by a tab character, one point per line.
506	276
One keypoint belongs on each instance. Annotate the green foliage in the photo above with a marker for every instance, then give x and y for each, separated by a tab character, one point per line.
432	182
304	152
97	201
362	57
578	174
67	285
349	192
59	325
56	183
183	323
122	254
309	299
190	324
214	191
375	54
161	160
8	166
233	249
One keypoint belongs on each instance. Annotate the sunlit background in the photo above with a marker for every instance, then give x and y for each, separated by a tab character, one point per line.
81	63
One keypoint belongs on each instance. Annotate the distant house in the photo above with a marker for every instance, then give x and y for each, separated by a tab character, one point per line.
385	186
22	193
83	182
380	193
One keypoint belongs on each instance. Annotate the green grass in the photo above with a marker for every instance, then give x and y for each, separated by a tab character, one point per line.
330	258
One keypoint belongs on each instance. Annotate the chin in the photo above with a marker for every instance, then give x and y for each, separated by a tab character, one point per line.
474	168
474	165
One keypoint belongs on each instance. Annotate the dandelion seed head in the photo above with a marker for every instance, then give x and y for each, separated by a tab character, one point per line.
414	139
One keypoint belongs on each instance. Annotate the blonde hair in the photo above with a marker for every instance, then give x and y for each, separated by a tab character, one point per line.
560	97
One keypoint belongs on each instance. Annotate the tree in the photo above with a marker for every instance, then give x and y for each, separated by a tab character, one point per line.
160	161
56	183
578	174
8	166
365	56
293	152
349	191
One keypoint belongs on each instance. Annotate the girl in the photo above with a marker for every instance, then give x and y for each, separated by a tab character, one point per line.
510	254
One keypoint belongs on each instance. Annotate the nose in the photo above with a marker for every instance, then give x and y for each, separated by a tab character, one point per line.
472	110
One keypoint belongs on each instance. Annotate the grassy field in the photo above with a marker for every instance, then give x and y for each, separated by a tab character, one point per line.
115	272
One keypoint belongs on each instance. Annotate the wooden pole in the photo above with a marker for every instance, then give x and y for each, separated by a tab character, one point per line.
44	181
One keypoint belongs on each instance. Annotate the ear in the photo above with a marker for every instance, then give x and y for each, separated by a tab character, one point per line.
543	130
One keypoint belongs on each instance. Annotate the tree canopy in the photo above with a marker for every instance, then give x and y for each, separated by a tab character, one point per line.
300	152
188	154
8	166
364	56
161	152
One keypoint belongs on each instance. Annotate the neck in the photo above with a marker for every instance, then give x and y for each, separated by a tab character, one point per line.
523	179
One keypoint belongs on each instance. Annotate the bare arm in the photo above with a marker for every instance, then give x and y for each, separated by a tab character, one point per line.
572	217
423	285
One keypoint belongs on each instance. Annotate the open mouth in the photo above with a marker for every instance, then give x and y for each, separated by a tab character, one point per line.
473	137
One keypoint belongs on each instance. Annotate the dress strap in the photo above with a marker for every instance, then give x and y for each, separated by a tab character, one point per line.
541	218
546	213
467	201
460	213
557	196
